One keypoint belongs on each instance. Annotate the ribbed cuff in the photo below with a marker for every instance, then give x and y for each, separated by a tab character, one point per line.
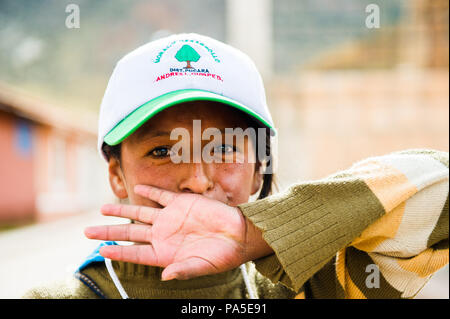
309	224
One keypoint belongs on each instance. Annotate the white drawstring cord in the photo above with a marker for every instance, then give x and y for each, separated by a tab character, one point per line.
251	293
124	295
115	279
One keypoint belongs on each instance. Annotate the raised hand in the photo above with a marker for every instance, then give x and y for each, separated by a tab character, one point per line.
190	236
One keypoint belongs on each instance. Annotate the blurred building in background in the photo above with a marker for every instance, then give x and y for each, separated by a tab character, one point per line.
48	164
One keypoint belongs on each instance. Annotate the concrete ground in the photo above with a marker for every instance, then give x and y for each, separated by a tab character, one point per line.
50	251
45	252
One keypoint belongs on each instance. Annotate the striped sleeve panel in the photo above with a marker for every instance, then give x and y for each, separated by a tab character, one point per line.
409	243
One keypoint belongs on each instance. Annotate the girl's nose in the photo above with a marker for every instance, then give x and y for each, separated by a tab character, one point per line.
196	179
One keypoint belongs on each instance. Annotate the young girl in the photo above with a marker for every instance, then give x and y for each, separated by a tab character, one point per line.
376	230
182	83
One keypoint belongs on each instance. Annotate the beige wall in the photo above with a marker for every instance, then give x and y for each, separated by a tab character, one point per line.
328	120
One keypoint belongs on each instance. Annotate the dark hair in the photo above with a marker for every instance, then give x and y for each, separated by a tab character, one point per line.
268	178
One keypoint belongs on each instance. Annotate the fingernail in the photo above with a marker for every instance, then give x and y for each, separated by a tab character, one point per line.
169	277
90	232
103	251
108	208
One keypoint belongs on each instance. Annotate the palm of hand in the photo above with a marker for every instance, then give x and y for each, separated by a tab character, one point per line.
191	236
187	232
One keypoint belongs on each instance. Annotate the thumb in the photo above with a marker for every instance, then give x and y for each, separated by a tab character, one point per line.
190	268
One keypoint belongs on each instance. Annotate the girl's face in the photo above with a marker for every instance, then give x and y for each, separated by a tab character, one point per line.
145	157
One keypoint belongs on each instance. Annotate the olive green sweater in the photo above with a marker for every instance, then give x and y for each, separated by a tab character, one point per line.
376	230
143	282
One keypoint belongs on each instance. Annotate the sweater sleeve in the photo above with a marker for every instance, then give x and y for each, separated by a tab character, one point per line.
393	208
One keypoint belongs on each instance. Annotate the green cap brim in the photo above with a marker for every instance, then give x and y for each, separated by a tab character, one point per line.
142	114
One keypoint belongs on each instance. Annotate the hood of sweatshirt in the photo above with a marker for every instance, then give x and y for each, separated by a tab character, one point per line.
141	281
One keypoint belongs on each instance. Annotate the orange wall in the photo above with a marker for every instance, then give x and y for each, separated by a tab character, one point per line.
16	174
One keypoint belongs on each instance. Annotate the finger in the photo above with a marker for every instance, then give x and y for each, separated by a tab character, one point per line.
127	232
143	214
161	196
190	268
137	254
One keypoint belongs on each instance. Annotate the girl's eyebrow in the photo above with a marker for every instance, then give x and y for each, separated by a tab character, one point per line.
152	133
159	133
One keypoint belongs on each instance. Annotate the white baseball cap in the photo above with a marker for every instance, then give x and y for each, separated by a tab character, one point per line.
176	69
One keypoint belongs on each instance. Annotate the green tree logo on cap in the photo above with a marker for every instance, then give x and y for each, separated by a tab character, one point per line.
187	54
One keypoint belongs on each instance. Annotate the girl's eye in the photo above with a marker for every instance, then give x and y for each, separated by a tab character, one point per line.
225	149
159	152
